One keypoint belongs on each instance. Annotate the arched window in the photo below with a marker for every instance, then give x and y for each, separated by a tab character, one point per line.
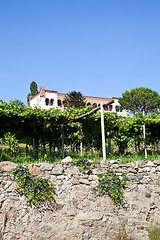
117	108
47	101
105	107
88	104
51	102
110	107
59	102
94	105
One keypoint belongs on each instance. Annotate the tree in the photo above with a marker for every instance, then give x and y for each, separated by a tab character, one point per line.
74	99
33	90
140	100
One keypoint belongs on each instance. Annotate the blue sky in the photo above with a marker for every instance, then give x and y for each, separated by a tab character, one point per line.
98	47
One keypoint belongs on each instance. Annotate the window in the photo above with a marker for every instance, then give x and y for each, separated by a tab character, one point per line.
47	101
117	108
59	102
105	107
110	107
94	105
51	102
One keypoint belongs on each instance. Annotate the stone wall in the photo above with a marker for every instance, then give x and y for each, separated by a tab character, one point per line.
78	212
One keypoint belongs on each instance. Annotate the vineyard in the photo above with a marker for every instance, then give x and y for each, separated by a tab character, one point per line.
41	131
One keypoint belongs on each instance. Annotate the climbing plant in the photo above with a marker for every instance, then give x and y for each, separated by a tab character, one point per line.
46	126
110	183
36	190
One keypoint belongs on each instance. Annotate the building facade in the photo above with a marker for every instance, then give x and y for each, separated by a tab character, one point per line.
46	99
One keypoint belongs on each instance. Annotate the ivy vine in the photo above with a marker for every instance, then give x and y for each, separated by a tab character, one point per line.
37	190
112	184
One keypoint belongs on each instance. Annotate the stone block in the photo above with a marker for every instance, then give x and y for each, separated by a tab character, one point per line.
33	169
58	170
44	166
68	159
75	181
84	181
7	166
90	215
46	229
140	228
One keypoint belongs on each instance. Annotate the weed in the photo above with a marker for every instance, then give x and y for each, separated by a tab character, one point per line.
83	163
123	235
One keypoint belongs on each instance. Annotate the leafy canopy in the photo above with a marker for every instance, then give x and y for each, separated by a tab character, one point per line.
140	99
74	99
18	102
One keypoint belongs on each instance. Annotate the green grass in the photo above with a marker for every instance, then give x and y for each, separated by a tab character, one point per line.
23	157
133	156
154	232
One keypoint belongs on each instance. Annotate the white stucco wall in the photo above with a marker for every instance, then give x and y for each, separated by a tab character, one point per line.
116	103
40	102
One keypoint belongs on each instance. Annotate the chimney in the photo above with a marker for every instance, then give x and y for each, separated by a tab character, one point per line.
42	91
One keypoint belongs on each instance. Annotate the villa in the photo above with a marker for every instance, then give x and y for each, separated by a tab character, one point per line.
46	99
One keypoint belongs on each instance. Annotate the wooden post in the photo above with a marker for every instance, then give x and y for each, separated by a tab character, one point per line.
63	142
81	149
103	132
109	143
62	136
34	147
144	137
